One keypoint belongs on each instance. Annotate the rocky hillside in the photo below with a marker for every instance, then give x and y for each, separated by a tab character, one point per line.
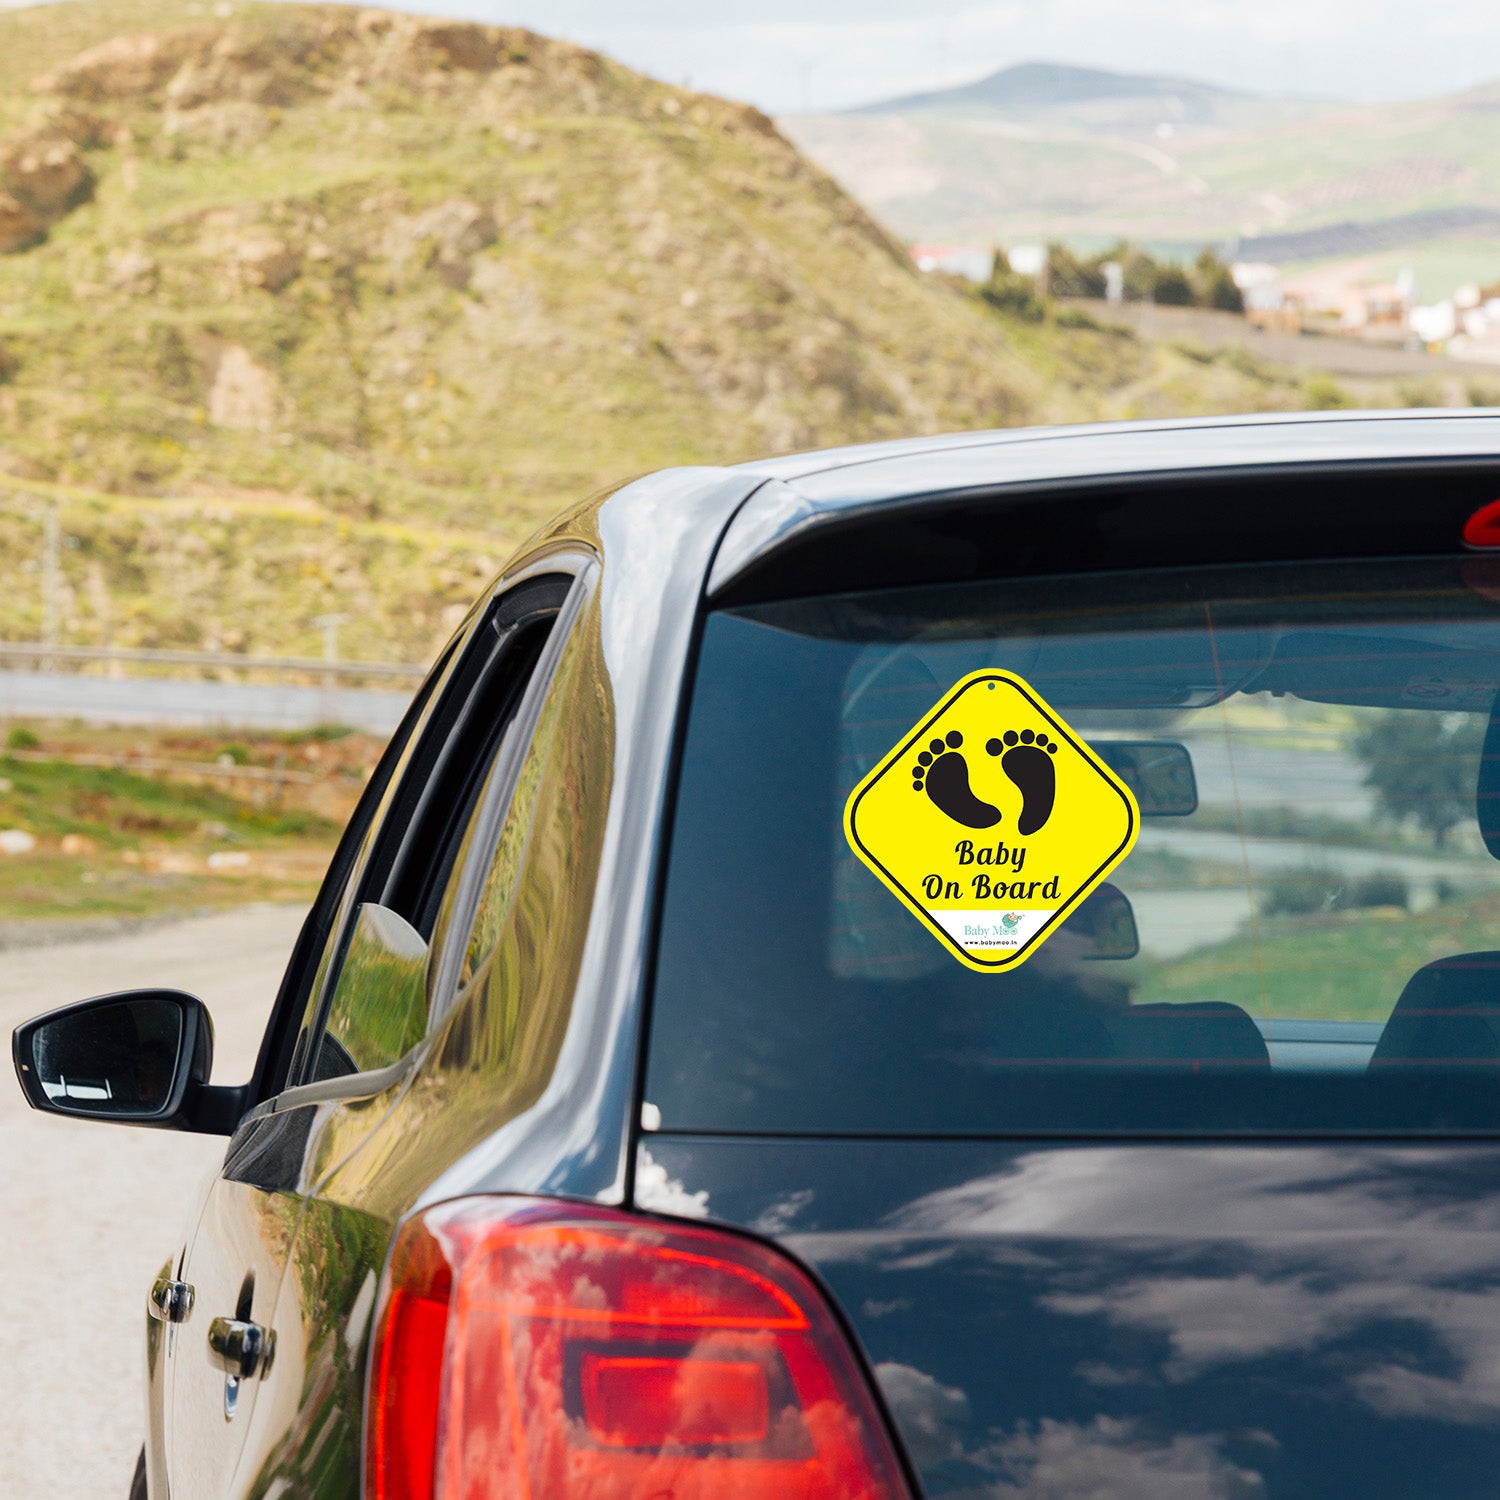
311	308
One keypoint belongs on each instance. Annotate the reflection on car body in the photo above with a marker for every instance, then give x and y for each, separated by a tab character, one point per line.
618	1132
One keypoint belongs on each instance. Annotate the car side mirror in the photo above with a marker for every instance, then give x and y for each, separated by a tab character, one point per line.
141	1057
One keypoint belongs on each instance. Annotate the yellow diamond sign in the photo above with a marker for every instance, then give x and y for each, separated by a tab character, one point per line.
992	820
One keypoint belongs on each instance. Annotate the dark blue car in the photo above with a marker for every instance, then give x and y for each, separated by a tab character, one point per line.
717	1067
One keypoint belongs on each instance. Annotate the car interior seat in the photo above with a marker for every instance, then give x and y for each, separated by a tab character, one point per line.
1213	1032
1449	1012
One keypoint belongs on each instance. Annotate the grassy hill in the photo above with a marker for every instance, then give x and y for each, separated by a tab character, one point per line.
312	309
1168	162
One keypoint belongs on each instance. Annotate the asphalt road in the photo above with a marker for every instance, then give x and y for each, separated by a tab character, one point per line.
170	700
1350	357
92	1210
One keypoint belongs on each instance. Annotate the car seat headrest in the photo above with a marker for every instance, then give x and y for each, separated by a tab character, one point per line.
1206	1031
1449	1012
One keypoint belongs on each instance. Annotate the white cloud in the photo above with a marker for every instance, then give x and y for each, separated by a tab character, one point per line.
1071	1461
931	1415
663	1194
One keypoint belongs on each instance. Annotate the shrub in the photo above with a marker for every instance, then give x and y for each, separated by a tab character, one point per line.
21	738
324	732
1307	892
1419	393
1017	295
1214	285
1171	288
1383	888
1069	275
1191	349
1299	893
1075	317
1324	393
1207	283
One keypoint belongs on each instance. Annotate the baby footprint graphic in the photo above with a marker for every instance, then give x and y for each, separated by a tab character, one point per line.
944	775
1026	759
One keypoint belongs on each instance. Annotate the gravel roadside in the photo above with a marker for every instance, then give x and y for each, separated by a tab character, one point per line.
93	1210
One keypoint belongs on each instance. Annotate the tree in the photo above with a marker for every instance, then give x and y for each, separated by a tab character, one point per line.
1013	293
1423	767
1138	267
1214	284
1171	287
1069	275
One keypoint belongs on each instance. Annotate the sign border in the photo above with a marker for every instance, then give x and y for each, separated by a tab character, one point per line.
1014	956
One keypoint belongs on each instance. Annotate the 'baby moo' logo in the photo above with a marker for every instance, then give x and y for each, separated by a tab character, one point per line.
991	820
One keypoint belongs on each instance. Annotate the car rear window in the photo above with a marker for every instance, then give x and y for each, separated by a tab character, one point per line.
1317	930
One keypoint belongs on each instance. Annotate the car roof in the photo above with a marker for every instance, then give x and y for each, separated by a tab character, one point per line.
1096	447
802	490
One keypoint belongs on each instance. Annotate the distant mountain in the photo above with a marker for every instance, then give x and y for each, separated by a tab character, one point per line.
1034	87
1045	150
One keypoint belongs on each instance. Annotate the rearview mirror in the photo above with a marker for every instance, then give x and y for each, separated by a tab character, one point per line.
1106	922
1159	774
137	1057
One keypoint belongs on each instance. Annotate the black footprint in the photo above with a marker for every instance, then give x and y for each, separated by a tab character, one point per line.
1024	758
946	778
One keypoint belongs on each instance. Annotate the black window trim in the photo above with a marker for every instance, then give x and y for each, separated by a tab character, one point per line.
466	885
276	1058
728	599
307	972
518	733
426	807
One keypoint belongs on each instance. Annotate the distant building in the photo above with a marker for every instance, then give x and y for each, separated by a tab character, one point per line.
1027	260
1373	306
956	260
1361	307
1268	305
1436	324
1478	335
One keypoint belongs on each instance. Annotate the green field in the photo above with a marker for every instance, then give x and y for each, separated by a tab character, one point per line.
108	841
1344	967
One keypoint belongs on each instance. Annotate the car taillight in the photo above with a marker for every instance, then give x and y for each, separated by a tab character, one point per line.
1482	529
527	1350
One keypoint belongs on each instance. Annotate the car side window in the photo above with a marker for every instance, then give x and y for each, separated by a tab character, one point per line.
285	1036
368	1006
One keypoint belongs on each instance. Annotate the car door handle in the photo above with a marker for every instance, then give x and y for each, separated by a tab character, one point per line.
169	1301
242	1350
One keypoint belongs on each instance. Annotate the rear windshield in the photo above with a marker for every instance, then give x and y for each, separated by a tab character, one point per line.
1311	907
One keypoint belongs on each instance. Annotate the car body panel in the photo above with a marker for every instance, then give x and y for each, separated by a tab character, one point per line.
1232	1320
1178	443
541	1101
656	539
796	501
234	1265
1226	1319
